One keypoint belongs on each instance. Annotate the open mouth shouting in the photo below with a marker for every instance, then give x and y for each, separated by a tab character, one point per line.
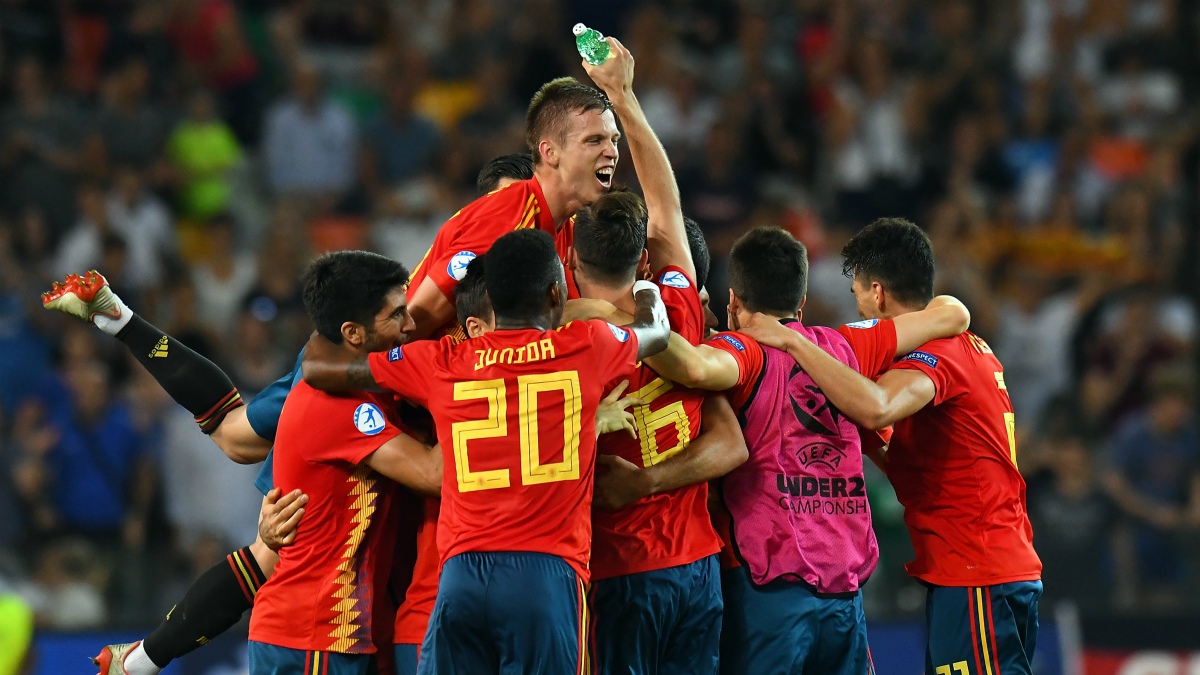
605	176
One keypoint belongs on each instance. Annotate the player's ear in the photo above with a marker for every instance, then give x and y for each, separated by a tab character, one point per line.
572	259
475	327
548	152
644	265
354	334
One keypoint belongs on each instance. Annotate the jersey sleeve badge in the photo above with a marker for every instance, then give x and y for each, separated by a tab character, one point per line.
620	333
736	343
395	354
674	279
368	419
458	264
863	324
924	357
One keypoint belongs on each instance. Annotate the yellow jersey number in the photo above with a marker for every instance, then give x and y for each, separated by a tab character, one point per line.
533	472
648	422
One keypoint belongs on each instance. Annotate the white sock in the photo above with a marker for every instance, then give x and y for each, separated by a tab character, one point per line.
110	325
136	661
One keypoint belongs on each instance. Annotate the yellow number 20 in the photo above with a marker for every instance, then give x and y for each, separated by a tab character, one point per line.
533	472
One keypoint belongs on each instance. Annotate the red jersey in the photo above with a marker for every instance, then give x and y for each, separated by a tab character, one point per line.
412	617
954	467
472	231
515	410
329	590
874	344
671	528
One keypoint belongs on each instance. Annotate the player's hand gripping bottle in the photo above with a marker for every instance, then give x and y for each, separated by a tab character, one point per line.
591	44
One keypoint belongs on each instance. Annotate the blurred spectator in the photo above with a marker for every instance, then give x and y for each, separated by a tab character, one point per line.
681	112
203	150
1033	339
133	127
144	222
1154	475
103	480
1075	520
41	143
874	168
1121	358
224	277
65	594
309	142
80	249
209	37
398	146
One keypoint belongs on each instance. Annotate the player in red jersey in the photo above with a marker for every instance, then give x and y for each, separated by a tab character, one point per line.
514	531
952	460
572	134
326	608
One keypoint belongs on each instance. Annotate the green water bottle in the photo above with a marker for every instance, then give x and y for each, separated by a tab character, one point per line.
591	44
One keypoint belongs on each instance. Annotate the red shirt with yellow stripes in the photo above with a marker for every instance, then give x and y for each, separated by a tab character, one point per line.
330	587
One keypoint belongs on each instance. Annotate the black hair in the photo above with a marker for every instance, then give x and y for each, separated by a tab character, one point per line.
699	246
522	267
768	271
516	167
349	286
550	106
470	295
610	236
897	254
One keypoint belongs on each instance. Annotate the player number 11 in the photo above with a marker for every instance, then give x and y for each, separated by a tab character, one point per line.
960	668
529	387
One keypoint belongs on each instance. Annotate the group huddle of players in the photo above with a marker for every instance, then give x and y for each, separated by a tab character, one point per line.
458	486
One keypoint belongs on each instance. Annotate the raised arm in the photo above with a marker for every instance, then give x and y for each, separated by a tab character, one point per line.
944	317
430	309
666	238
874	405
650	323
329	367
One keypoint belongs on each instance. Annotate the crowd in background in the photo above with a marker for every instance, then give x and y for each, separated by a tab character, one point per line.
199	152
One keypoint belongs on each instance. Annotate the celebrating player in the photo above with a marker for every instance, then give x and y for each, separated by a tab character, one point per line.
952	460
514	532
793	603
323	608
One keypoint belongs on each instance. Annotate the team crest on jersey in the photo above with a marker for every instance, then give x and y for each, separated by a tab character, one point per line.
458	264
674	279
368	418
620	333
924	357
395	354
867	323
737	344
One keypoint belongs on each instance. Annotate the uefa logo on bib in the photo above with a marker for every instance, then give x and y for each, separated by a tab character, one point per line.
368	418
